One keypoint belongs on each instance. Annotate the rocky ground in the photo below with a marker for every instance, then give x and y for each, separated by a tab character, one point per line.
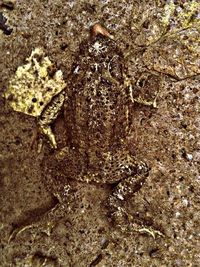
160	42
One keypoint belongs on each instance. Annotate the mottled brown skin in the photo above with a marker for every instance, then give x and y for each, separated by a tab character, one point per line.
97	120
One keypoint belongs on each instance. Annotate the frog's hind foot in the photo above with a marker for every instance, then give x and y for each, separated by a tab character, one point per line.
117	199
125	222
121	219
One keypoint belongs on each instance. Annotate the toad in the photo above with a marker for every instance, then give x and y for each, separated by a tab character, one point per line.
96	109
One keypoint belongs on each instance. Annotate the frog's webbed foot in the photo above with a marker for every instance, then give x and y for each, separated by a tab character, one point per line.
45	222
121	192
42	222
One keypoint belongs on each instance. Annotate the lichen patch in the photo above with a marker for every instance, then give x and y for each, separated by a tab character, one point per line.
34	84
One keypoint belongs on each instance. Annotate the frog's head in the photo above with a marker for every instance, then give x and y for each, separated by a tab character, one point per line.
101	40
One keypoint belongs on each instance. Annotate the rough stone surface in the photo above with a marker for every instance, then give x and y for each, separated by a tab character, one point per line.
35	230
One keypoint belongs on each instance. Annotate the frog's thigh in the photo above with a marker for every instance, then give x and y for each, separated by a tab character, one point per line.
122	191
119	165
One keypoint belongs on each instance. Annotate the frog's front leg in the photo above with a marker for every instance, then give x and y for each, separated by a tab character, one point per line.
139	99
124	189
49	115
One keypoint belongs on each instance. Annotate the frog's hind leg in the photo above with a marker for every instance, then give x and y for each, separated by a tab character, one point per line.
121	192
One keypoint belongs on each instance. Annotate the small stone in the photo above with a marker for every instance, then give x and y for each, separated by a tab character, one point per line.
10	4
185	202
3	26
189	157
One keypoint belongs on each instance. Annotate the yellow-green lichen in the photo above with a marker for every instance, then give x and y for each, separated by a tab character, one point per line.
169	9
34	84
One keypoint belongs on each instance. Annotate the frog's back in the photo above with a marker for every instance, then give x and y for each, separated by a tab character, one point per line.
97	108
96	118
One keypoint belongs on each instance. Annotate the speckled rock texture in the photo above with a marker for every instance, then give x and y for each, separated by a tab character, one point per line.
158	39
